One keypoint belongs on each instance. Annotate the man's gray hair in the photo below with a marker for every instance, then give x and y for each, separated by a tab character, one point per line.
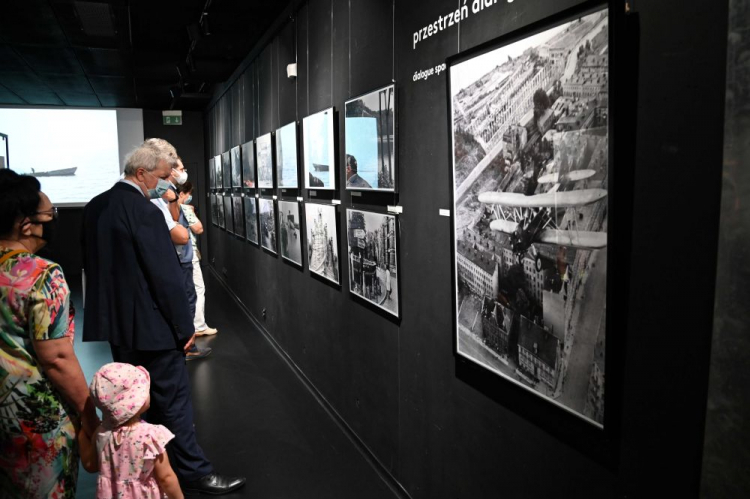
162	145
147	157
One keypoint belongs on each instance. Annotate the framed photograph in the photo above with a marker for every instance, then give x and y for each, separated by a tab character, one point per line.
264	156
226	167
221	218
267	224
248	164
322	240
212	204
287	172
238	215
290	231
251	219
530	147
370	141
319	150
373	258
4	151
219	178
236	166
211	174
228	217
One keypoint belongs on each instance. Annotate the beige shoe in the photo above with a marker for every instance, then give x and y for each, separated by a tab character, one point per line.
207	332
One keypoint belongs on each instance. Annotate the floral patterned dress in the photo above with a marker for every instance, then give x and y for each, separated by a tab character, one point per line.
127	458
38	451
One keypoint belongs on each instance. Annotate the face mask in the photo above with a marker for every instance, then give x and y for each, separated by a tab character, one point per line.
162	186
181	177
49	229
187	200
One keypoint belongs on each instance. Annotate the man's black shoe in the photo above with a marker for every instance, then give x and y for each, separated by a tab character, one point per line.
214	484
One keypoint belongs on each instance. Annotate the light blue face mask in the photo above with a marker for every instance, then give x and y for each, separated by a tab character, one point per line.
187	200
162	186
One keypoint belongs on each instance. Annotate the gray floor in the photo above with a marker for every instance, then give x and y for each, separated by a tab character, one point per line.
255	418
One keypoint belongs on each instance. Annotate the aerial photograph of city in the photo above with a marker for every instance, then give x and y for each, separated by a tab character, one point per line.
530	172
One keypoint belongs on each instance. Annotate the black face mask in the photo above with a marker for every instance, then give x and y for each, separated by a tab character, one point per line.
48	230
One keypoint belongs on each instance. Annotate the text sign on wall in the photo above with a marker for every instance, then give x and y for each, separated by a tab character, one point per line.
171	117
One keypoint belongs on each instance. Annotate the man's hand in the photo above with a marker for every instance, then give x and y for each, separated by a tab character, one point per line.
169	196
189	344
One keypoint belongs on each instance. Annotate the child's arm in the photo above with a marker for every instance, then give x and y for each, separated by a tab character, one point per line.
88	451
166	477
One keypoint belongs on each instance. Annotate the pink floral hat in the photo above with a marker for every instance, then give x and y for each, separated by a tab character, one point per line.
120	390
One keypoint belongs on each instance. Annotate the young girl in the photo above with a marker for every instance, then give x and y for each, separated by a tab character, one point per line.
129	454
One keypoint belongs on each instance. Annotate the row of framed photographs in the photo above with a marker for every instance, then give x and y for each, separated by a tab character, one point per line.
372	247
272	160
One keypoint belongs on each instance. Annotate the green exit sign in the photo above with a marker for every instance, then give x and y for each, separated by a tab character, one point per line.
172	120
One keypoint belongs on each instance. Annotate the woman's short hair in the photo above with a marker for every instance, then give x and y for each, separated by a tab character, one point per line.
19	197
185	188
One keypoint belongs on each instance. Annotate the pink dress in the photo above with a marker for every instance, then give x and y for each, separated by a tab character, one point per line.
126	461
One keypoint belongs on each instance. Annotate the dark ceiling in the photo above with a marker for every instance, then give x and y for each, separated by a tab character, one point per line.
125	53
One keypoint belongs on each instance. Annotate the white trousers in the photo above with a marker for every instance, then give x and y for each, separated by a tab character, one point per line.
199	321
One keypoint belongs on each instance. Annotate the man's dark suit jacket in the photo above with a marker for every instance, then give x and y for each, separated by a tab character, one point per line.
134	293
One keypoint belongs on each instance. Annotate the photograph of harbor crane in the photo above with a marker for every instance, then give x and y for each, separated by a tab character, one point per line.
530	181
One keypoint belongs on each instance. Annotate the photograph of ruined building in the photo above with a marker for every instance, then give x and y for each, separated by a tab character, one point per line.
322	240
530	172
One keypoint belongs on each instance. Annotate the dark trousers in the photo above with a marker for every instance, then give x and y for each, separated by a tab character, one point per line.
172	407
187	279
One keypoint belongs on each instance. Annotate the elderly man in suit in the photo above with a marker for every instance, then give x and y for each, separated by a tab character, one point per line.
136	301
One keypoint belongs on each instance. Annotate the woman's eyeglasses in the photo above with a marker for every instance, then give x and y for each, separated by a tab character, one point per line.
53	212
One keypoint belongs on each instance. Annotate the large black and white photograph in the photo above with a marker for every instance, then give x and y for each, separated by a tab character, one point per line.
214	210
238	215
286	156
211	174
530	183
268	224
248	164
319	154
370	139
251	219
289	231
236	166
226	167
373	260
322	240
218	172
228	217
264	156
221	218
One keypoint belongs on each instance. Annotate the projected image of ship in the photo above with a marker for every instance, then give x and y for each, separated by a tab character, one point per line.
320	168
63	172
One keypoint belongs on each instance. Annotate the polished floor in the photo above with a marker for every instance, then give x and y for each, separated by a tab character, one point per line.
254	417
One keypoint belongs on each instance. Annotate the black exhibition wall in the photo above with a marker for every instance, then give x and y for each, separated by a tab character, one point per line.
435	425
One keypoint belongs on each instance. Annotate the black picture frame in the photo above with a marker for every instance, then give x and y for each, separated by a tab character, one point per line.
248	164
226	168
281	144
482	245
386	96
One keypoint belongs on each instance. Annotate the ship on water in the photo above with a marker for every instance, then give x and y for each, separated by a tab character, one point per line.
63	172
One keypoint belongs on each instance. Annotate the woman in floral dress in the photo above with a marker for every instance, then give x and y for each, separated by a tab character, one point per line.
43	390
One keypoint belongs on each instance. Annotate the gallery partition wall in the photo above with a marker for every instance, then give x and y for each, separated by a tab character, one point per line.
463	224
